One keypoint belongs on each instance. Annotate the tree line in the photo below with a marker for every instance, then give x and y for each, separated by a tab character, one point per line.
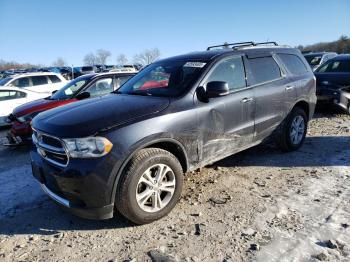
340	46
100	57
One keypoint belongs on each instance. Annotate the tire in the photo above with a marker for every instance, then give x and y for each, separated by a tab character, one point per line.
131	186
285	140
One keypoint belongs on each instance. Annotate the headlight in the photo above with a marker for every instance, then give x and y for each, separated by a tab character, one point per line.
88	147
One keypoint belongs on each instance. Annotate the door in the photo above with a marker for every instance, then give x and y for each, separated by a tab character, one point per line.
270	91
227	123
9	100
40	84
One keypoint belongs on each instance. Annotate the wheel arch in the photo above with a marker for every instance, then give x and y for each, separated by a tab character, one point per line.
168	144
304	106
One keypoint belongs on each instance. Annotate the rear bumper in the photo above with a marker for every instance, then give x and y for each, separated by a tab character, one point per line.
83	194
337	97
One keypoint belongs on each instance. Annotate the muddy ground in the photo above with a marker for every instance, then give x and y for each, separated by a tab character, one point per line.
258	205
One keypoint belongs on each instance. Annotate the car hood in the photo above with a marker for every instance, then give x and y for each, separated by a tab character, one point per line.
335	80
35	106
88	117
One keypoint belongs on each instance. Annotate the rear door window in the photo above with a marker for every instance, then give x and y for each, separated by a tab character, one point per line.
21	82
39	80
231	71
54	79
293	64
264	69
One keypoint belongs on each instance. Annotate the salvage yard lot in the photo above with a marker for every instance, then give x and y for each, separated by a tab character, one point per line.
257	205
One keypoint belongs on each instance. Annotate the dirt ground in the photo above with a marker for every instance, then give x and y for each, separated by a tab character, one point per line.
258	205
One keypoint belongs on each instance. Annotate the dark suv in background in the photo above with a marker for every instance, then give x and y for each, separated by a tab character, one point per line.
129	150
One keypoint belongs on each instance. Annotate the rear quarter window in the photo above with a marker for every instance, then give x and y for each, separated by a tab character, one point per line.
264	69
293	64
54	79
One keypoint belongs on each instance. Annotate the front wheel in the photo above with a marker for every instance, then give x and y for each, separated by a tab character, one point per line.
150	186
293	131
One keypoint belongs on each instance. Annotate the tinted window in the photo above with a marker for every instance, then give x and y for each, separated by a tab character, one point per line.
230	71
39	80
21	82
335	66
118	81
9	95
293	64
101	87
54	79
313	59
264	69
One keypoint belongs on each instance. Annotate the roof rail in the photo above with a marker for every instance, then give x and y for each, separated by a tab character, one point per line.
267	43
233	45
242	44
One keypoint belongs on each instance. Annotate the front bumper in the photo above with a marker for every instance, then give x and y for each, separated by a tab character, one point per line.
79	188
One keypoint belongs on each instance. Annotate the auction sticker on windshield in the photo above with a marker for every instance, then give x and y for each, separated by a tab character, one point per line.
195	64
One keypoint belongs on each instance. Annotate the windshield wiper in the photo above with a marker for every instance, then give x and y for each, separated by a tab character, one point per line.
139	93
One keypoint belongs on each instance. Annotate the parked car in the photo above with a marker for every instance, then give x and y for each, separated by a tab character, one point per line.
128	150
333	82
317	59
40	82
86	86
11	97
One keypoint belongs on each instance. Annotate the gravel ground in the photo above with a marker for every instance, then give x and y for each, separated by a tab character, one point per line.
258	205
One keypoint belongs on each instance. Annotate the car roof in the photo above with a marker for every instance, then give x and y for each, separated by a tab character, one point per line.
249	50
343	57
33	74
319	53
11	88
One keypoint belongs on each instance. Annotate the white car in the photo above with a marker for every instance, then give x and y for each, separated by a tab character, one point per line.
11	97
40	82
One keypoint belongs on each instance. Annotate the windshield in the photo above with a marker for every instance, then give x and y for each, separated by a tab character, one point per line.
313	59
70	89
4	81
168	79
339	66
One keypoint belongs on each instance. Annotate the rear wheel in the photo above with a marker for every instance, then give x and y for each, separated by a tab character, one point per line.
293	131
150	186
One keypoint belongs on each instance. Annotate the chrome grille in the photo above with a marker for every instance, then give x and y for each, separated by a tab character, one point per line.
50	148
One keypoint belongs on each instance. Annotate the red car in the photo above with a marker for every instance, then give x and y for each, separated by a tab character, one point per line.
86	86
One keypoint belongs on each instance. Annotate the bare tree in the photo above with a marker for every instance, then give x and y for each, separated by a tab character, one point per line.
90	59
102	56
122	59
147	57
342	45
59	62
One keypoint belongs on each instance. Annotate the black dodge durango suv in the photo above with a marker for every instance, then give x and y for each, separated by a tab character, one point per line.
129	150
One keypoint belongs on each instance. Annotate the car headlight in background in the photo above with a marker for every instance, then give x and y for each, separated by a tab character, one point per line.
88	147
28	117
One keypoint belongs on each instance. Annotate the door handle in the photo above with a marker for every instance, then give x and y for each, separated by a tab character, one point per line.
247	100
289	87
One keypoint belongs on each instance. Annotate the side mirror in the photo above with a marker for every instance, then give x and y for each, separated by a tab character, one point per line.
83	95
217	89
